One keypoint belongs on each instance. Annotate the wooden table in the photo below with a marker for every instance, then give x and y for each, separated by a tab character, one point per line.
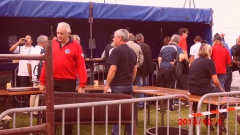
159	91
149	90
100	88
91	88
8	94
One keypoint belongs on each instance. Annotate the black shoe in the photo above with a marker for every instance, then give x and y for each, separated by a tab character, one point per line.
205	121
222	126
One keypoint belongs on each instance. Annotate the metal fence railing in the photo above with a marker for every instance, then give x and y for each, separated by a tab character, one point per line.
227	103
158	100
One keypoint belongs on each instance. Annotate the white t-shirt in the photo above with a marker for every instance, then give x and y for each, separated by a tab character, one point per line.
195	49
22	69
34	63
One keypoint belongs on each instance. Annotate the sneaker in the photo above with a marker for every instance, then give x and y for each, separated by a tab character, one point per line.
176	103
140	106
171	108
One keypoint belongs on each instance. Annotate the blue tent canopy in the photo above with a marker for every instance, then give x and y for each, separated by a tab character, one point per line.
39	8
144	13
80	10
37	17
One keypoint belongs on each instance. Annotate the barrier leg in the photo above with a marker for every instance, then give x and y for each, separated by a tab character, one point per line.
162	111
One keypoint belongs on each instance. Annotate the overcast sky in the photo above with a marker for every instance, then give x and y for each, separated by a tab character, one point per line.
226	14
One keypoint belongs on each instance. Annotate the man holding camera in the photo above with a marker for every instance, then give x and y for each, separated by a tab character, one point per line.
23	75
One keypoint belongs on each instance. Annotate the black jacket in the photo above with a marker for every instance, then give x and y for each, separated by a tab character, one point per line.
147	66
107	49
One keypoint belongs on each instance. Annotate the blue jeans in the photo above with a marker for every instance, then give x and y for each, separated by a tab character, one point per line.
221	78
142	81
228	79
123	90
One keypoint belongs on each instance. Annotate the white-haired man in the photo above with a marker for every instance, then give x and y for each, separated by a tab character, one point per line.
142	77
123	69
68	63
34	67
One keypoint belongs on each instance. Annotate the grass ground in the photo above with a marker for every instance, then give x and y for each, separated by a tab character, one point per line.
23	120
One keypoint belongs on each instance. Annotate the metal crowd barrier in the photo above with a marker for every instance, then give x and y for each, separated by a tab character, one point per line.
107	104
47	57
230	104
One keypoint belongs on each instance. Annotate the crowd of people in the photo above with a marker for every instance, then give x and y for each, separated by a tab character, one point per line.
208	70
129	62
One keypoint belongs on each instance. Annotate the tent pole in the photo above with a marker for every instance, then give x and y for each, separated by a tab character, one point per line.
91	22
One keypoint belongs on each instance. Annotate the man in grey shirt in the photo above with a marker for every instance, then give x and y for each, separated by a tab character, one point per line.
137	49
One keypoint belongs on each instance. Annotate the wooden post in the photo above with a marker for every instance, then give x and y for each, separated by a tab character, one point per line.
49	89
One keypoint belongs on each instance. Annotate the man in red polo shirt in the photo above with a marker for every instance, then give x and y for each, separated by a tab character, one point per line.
183	33
68	63
221	58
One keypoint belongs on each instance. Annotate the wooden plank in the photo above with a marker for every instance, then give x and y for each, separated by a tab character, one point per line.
3	93
159	91
214	100
24	93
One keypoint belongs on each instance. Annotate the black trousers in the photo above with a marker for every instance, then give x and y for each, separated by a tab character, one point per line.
165	78
212	107
24	81
183	82
65	86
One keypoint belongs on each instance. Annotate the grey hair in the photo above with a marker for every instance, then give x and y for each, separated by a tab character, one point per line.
175	38
131	37
42	38
238	39
123	33
76	36
65	25
139	37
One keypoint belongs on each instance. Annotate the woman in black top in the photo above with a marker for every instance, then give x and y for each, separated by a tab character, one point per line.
201	73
